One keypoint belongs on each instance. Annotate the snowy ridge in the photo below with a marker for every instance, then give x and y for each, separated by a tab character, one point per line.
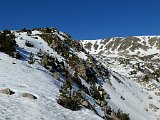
20	77
136	45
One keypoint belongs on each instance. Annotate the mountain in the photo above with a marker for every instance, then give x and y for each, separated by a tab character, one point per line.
135	45
46	75
137	59
28	90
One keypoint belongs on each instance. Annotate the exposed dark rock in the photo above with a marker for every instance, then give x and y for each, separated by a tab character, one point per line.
28	95
7	91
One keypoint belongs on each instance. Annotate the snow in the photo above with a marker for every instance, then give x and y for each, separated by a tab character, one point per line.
135	93
92	51
21	77
61	37
38	43
135	100
81	55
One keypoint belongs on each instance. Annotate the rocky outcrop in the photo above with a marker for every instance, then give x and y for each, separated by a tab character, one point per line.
7	91
28	95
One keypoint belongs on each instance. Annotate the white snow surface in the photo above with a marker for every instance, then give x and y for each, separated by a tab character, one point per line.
20	77
136	98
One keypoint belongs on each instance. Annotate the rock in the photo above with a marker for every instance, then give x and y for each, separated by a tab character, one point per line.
122	98
7	91
146	109
98	102
56	75
150	97
108	109
108	82
85	103
80	69
153	107
113	115
157	93
28	95
103	103
104	93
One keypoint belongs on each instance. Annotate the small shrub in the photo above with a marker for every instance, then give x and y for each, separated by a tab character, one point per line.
69	103
28	44
24	30
122	116
67	99
29	32
145	78
31	59
7	43
48	30
6	31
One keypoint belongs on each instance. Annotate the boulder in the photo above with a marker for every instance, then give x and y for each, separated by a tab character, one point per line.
7	91
85	103
103	103
28	95
108	82
56	75
153	107
122	98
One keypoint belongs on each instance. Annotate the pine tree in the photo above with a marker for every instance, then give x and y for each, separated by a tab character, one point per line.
31	59
68	98
29	32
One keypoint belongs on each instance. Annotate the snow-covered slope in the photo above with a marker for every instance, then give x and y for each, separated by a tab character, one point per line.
130	97
53	70
134	85
21	77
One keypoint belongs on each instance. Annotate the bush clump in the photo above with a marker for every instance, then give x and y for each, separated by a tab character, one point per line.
122	116
68	98
28	44
7	42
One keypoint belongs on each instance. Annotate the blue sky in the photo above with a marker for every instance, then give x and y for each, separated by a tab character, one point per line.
84	19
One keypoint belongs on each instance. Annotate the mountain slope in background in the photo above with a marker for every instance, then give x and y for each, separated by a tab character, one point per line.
54	77
136	45
137	59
